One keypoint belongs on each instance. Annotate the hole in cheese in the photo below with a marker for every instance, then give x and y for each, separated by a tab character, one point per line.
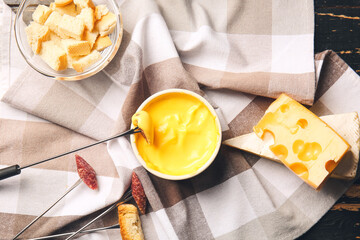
330	165
302	123
280	151
284	108
310	151
298	146
306	151
294	130
268	137
300	169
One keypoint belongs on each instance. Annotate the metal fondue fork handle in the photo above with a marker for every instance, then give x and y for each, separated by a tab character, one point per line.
42	214
16	169
127	197
84	231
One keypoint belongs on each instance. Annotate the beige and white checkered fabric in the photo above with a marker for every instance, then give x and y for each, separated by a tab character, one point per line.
239	55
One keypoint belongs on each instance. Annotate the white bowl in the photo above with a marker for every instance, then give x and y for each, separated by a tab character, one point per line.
205	165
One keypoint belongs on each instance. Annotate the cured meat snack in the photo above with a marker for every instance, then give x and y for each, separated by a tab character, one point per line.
138	193
86	173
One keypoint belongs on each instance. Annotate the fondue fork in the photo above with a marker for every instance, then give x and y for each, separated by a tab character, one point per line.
115	226
16	169
48	209
127	197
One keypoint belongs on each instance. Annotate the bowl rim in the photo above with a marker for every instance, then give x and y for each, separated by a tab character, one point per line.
206	164
80	75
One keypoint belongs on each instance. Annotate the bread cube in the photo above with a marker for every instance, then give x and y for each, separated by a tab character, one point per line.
87	15
106	24
102	42
84	4
90	37
36	34
52	22
41	13
100	10
61	3
55	38
80	64
130	223
76	47
53	55
69	9
72	27
71	59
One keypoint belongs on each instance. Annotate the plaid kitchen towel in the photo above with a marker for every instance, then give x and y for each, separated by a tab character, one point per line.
236	54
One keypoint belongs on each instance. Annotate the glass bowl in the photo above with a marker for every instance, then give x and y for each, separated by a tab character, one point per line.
195	172
24	17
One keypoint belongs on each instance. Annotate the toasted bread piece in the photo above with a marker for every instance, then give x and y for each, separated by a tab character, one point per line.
102	42
106	24
72	27
69	9
55	38
129	221
52	22
72	59
84	4
100	10
36	34
41	13
87	15
53	55
90	37
80	64
76	47
61	3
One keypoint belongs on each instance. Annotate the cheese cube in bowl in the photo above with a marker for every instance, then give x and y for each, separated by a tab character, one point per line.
68	39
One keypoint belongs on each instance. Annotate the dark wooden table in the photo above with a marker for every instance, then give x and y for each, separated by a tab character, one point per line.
337	27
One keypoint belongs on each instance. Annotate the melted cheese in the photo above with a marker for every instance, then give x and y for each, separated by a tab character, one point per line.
185	134
303	142
143	121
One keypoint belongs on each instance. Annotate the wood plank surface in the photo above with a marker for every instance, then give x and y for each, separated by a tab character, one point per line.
337	27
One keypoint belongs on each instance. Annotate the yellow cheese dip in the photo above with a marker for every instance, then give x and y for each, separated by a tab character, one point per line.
143	121
185	134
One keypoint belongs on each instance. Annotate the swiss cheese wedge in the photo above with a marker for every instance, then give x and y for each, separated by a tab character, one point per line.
302	141
346	125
